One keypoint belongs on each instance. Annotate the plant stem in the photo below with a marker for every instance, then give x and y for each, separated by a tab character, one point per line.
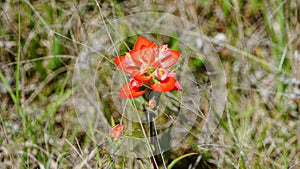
150	119
153	99
152	140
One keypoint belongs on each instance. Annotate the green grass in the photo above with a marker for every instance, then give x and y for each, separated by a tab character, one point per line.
39	44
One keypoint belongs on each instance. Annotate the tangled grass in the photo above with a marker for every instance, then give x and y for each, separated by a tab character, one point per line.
257	42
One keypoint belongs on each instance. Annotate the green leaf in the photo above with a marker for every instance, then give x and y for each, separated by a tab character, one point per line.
178	159
141	164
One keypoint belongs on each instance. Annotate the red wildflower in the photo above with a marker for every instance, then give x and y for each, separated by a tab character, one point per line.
116	132
143	62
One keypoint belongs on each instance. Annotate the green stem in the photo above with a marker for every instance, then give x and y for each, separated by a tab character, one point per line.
152	140
151	134
153	99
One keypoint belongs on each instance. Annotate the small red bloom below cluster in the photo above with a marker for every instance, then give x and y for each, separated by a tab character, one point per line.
148	64
116	132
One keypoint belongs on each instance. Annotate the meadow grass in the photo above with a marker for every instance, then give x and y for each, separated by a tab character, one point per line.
40	42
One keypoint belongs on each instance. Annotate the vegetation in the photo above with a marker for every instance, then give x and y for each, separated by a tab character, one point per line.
43	44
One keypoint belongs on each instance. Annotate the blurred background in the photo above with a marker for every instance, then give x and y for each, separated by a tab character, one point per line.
257	42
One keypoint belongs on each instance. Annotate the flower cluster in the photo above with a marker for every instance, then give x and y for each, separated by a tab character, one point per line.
147	64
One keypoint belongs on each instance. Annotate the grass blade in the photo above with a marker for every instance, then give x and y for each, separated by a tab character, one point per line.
178	159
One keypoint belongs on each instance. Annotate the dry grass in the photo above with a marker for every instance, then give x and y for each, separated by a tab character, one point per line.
260	55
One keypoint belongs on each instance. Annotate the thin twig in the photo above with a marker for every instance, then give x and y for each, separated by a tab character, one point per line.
152	141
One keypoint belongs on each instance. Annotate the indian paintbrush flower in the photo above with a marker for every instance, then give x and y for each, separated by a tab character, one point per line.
148	64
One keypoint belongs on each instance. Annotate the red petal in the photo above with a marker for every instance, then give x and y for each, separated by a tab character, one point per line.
143	43
127	68
144	57
177	86
119	60
136	57
164	86
170	59
128	91
175	52
142	78
116	131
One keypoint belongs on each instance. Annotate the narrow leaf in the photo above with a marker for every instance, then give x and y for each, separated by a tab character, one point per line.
178	159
